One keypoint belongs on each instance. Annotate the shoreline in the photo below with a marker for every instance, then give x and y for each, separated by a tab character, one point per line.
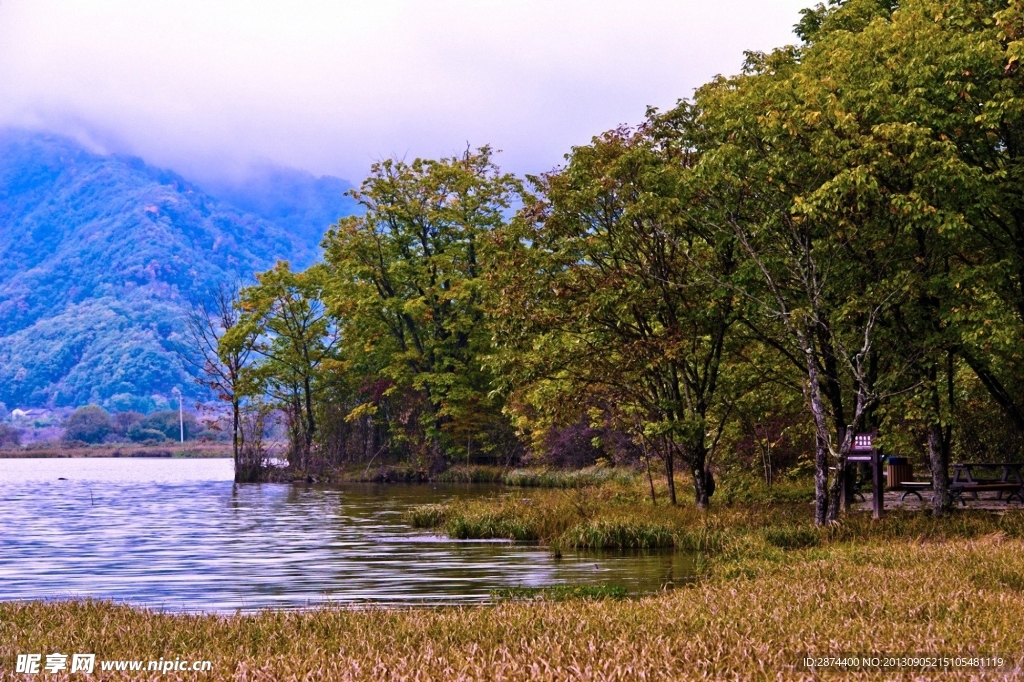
163	450
756	615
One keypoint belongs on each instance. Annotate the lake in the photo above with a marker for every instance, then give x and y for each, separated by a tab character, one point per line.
178	534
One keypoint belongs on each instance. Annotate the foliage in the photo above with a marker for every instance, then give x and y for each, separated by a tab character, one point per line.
404	282
89	424
616	293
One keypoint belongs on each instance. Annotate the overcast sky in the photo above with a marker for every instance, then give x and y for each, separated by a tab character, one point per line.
209	87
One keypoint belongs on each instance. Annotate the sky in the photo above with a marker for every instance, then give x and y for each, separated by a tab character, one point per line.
212	88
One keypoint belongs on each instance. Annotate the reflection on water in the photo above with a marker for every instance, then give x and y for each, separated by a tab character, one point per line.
178	534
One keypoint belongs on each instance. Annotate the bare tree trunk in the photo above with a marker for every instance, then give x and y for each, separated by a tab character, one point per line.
702	482
821	431
820	481
835	490
938	457
670	475
701	494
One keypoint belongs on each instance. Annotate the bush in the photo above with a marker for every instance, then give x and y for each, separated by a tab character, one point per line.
166	422
89	424
10	436
138	434
124	422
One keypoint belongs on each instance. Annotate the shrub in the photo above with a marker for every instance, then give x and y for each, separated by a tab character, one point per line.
139	434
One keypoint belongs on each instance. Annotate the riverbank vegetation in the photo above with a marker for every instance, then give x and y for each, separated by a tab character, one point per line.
617	516
753	617
828	243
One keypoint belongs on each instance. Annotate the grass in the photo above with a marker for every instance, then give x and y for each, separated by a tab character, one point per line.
561	593
470	473
575	478
750	618
617	515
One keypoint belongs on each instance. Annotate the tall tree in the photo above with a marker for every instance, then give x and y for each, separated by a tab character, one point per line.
405	282
819	200
219	366
617	288
285	316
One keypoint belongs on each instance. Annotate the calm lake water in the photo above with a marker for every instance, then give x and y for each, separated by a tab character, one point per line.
179	534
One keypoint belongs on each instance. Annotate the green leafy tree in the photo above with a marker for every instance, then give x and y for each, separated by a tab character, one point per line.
941	79
617	289
405	282
286	324
820	201
167	423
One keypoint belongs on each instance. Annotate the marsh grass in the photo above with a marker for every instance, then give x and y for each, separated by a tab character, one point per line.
955	596
561	593
792	537
617	515
471	473
575	478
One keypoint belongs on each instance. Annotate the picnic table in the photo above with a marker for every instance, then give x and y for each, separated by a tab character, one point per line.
966	480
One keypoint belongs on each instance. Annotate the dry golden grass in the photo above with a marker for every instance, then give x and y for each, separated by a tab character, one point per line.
751	617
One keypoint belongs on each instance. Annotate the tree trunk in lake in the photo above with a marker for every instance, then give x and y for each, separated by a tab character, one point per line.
235	426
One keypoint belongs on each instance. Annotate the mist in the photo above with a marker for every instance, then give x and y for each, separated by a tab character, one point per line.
215	88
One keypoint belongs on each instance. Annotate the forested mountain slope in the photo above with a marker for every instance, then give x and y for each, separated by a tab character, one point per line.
100	254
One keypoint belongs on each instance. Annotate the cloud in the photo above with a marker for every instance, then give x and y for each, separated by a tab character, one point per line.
210	86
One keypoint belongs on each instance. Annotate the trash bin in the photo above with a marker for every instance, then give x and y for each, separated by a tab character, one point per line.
898	470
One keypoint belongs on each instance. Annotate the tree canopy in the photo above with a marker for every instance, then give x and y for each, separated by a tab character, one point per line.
839	226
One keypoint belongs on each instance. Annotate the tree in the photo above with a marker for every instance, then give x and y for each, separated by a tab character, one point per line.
943	77
167	423
89	424
285	322
405	282
820	201
617	289
10	436
218	363
123	422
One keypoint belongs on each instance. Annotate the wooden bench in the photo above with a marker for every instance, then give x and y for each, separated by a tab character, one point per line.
914	488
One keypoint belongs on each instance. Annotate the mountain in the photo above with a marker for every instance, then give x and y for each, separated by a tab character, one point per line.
100	254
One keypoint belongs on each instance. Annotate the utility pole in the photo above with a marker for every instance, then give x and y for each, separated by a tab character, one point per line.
181	414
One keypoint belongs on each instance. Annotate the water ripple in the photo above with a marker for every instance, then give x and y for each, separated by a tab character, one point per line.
178	534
